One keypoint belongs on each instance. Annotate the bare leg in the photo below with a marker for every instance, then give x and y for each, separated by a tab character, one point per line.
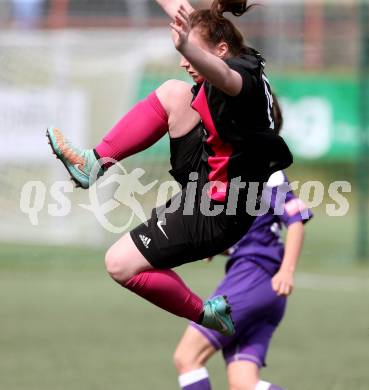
190	357
163	288
166	109
193	351
176	98
242	375
123	260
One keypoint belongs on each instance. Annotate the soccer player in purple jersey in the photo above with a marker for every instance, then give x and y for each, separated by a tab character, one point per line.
221	136
259	277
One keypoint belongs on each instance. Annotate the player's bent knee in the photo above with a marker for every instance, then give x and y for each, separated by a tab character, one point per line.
115	266
172	86
185	361
172	91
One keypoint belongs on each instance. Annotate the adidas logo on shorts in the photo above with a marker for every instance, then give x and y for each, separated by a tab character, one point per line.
146	240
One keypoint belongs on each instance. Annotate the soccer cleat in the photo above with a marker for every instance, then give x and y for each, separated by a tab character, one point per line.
80	163
217	315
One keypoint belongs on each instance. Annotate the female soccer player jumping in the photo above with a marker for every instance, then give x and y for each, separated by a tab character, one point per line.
233	146
259	275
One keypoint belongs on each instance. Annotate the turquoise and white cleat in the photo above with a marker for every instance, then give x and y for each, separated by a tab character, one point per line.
81	164
217	315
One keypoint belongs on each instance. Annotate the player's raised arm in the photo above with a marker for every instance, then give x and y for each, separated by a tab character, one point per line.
170	7
211	66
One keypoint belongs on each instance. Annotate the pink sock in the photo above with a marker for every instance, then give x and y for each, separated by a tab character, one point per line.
164	288
140	128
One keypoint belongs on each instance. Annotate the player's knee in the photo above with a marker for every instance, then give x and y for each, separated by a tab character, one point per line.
185	361
114	263
172	91
172	86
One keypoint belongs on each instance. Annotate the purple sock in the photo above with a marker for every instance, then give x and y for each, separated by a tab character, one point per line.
274	387
195	380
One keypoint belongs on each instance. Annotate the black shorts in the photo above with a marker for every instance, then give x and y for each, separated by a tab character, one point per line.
172	239
187	234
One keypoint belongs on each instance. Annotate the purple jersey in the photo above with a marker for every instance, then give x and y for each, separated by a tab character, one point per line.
263	244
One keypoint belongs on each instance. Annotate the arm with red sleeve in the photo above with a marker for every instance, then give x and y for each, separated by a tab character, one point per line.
295	215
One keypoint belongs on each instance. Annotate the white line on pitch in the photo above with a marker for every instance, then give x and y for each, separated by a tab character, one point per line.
331	282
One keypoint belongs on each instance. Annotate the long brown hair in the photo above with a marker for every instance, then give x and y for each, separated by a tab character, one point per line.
215	28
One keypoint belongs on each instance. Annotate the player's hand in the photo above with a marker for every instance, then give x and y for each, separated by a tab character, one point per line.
180	28
209	259
283	282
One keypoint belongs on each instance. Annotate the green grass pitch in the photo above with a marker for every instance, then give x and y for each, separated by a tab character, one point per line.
65	325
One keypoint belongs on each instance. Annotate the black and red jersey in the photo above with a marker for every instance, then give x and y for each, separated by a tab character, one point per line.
240	138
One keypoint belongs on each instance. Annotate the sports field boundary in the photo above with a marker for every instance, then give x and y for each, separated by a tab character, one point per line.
312	281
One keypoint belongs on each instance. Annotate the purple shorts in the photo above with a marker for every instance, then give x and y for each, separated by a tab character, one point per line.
256	311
